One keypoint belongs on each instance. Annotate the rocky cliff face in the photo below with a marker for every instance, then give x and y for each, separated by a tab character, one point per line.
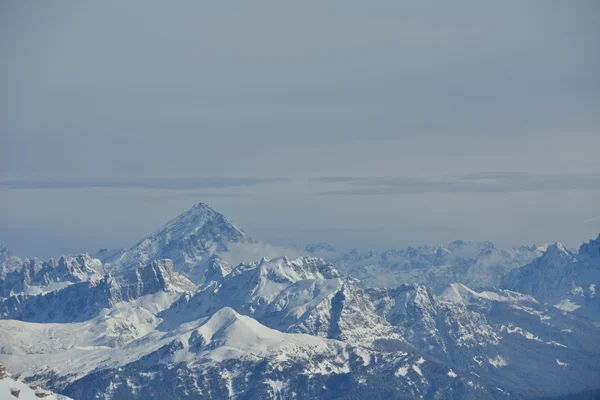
33	276
83	300
563	279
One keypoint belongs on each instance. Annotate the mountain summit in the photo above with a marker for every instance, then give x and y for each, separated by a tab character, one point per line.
189	239
202	222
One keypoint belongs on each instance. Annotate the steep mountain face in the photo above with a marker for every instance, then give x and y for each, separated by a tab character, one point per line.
565	280
476	264
84	300
18	277
33	276
189	240
8	262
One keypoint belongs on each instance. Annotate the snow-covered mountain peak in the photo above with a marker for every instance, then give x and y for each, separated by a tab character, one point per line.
284	269
193	220
459	293
190	239
561	278
79	267
199	223
558	246
556	255
226	325
8	261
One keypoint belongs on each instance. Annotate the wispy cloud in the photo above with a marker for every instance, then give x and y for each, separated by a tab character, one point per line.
248	252
479	182
339	179
177	183
200	195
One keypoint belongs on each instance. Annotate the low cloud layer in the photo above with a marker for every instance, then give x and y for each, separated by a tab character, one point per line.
248	252
133	183
485	182
477	182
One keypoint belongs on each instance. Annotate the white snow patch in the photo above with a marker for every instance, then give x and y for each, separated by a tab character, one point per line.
417	369
402	371
366	357
325	367
452	374
225	375
276	386
520	331
553	343
577	291
132	385
561	364
498	362
567	305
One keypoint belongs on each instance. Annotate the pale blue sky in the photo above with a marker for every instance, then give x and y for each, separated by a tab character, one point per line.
374	125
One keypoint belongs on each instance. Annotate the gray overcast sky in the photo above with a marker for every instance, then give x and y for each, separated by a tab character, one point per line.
374	124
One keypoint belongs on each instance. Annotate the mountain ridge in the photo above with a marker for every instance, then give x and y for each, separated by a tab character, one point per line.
131	324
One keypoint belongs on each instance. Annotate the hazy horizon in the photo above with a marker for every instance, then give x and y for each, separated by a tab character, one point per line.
371	127
292	248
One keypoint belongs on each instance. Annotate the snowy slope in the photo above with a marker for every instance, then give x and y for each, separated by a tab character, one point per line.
15	389
12	388
233	356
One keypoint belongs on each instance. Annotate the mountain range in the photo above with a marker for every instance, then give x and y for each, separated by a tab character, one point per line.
171	318
476	264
